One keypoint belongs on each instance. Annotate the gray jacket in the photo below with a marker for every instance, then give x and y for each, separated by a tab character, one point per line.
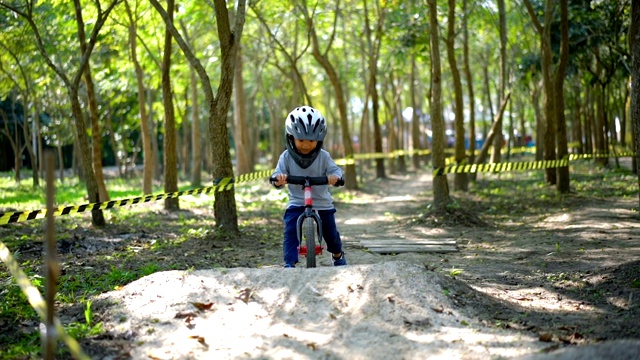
323	165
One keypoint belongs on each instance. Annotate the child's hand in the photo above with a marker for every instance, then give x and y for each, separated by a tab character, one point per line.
282	179
332	179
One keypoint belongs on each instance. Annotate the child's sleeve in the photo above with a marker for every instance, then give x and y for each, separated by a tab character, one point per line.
281	168
333	168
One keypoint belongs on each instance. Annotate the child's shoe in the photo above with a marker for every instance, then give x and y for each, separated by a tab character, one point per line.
289	266
341	261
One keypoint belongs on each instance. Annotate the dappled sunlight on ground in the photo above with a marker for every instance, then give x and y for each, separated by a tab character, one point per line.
358	312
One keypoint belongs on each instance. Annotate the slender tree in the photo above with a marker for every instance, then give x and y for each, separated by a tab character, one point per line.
72	85
170	149
469	79
225	210
440	185
323	59
374	52
460	181
96	134
145	128
499	139
634	44
563	181
550	128
244	148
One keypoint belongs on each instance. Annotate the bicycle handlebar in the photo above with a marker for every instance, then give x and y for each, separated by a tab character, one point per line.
313	180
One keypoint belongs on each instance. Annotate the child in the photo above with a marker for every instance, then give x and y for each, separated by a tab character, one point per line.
304	156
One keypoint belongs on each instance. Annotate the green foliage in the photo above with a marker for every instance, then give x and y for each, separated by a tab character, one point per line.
88	328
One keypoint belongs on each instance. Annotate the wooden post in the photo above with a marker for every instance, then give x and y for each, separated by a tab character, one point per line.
51	262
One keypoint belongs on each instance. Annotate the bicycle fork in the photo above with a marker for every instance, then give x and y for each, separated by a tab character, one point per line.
309	213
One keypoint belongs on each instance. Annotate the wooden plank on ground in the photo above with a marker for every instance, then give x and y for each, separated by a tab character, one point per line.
412	248
407	242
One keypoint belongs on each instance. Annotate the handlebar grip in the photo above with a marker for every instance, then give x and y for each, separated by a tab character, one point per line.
313	180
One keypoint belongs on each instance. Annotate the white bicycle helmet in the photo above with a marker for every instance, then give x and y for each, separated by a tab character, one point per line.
305	123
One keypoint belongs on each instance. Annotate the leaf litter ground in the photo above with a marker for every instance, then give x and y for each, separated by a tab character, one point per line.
529	277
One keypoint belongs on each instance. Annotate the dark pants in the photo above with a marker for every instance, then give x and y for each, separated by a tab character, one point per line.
329	233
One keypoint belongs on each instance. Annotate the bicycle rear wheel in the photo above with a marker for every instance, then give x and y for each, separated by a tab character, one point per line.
309	234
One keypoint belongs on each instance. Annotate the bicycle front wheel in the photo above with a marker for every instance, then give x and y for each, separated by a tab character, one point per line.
309	234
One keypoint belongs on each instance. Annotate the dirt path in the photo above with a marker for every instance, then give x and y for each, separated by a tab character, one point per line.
514	288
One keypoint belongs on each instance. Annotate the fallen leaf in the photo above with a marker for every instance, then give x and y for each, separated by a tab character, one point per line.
199	338
245	295
185	314
202	306
546	337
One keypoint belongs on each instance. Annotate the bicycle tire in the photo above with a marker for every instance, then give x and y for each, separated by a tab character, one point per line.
309	232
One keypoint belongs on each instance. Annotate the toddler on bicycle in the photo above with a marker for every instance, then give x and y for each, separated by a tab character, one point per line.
304	156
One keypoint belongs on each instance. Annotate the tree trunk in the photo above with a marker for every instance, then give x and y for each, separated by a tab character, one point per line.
113	142
540	121
548	84
60	164
351	180
579	123
170	149
415	120
563	185
145	128
196	144
440	185
634	42
72	89
469	78
38	150
374	51
499	138
400	133
225	206
80	135
490	136
244	149
93	109
391	129
461	180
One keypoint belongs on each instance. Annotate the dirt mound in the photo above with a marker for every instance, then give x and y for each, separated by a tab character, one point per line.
386	310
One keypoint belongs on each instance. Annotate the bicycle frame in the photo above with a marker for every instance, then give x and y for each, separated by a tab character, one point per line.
309	213
307	182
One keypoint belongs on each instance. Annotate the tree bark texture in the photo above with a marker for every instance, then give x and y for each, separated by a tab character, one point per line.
145	128
96	134
244	149
564	182
374	51
460	180
548	84
80	131
634	41
499	138
415	120
440	185
351	180
196	145
170	149
469	79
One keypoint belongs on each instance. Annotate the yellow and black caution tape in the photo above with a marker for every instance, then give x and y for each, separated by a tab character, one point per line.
500	167
227	183
221	184
598	155
37	302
